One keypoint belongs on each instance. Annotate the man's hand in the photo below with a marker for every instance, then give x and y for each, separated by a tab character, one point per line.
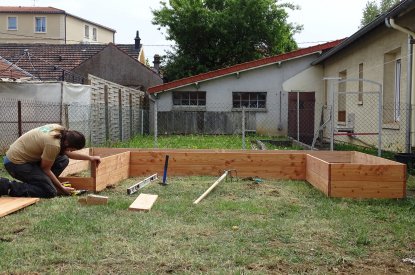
96	159
67	190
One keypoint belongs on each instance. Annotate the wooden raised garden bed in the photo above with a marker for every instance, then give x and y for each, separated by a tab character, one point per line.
337	174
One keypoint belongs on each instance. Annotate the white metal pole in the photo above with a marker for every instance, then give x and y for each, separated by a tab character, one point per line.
243	128
332	118
298	116
380	120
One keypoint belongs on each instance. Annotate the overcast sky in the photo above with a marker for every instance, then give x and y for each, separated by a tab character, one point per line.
323	20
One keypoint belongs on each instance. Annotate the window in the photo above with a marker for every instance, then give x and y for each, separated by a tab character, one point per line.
11	23
360	94
341	98
94	34
86	31
392	73
249	99
397	90
40	24
189	98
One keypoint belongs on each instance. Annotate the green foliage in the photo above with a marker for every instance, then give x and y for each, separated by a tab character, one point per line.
212	34
373	10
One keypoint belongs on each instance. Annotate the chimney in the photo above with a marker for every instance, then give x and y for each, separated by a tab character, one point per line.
156	63
137	41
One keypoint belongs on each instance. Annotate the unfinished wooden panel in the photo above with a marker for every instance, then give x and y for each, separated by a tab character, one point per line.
12	204
284	166
358	180
358	157
367	172
367	189
144	202
76	166
80	183
318	174
333	156
111	170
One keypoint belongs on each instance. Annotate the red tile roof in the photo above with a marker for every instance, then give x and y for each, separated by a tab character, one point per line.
9	70
52	61
243	67
19	9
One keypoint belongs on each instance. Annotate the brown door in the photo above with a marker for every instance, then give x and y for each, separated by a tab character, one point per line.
305	124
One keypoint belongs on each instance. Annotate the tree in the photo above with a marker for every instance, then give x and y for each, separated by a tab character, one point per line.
212	34
373	10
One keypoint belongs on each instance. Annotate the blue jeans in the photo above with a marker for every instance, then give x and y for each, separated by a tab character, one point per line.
33	182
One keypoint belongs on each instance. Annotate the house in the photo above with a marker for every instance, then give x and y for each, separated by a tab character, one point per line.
73	62
49	25
9	70
378	57
213	102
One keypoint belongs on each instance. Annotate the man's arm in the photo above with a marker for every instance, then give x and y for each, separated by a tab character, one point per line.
46	166
78	156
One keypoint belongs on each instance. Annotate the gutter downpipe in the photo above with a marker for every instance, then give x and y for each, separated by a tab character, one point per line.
390	23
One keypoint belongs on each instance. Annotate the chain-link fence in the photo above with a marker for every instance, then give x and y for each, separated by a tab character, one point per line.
100	123
358	118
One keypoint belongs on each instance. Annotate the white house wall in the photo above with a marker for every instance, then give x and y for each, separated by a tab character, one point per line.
267	79
370	51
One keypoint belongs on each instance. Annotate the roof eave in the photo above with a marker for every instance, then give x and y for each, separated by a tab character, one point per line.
369	27
233	72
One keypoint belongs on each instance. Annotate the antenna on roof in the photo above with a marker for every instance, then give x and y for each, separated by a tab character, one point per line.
34	3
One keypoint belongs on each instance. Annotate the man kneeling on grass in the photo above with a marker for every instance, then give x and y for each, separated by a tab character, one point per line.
38	157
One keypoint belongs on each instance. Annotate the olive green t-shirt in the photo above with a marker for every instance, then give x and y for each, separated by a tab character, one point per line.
35	145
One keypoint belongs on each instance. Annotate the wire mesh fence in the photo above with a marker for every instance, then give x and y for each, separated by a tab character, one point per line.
357	119
100	123
292	115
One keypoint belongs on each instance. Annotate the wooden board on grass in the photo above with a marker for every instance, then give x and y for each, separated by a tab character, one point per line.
143	202
12	204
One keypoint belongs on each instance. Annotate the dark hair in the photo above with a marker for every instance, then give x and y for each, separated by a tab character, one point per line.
72	139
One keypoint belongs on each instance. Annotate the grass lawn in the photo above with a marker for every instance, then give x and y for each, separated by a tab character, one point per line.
241	227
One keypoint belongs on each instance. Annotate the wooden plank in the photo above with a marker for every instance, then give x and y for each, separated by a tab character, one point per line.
368	190
211	188
362	172
144	202
80	183
111	170
333	156
318	166
96	200
12	204
362	158
294	173
287	166
318	182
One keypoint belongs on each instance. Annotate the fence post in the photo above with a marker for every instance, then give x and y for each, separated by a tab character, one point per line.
19	117
107	123
298	116
243	128
142	122
120	128
66	115
155	124
130	101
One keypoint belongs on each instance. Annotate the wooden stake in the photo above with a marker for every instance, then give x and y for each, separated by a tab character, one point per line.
211	188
